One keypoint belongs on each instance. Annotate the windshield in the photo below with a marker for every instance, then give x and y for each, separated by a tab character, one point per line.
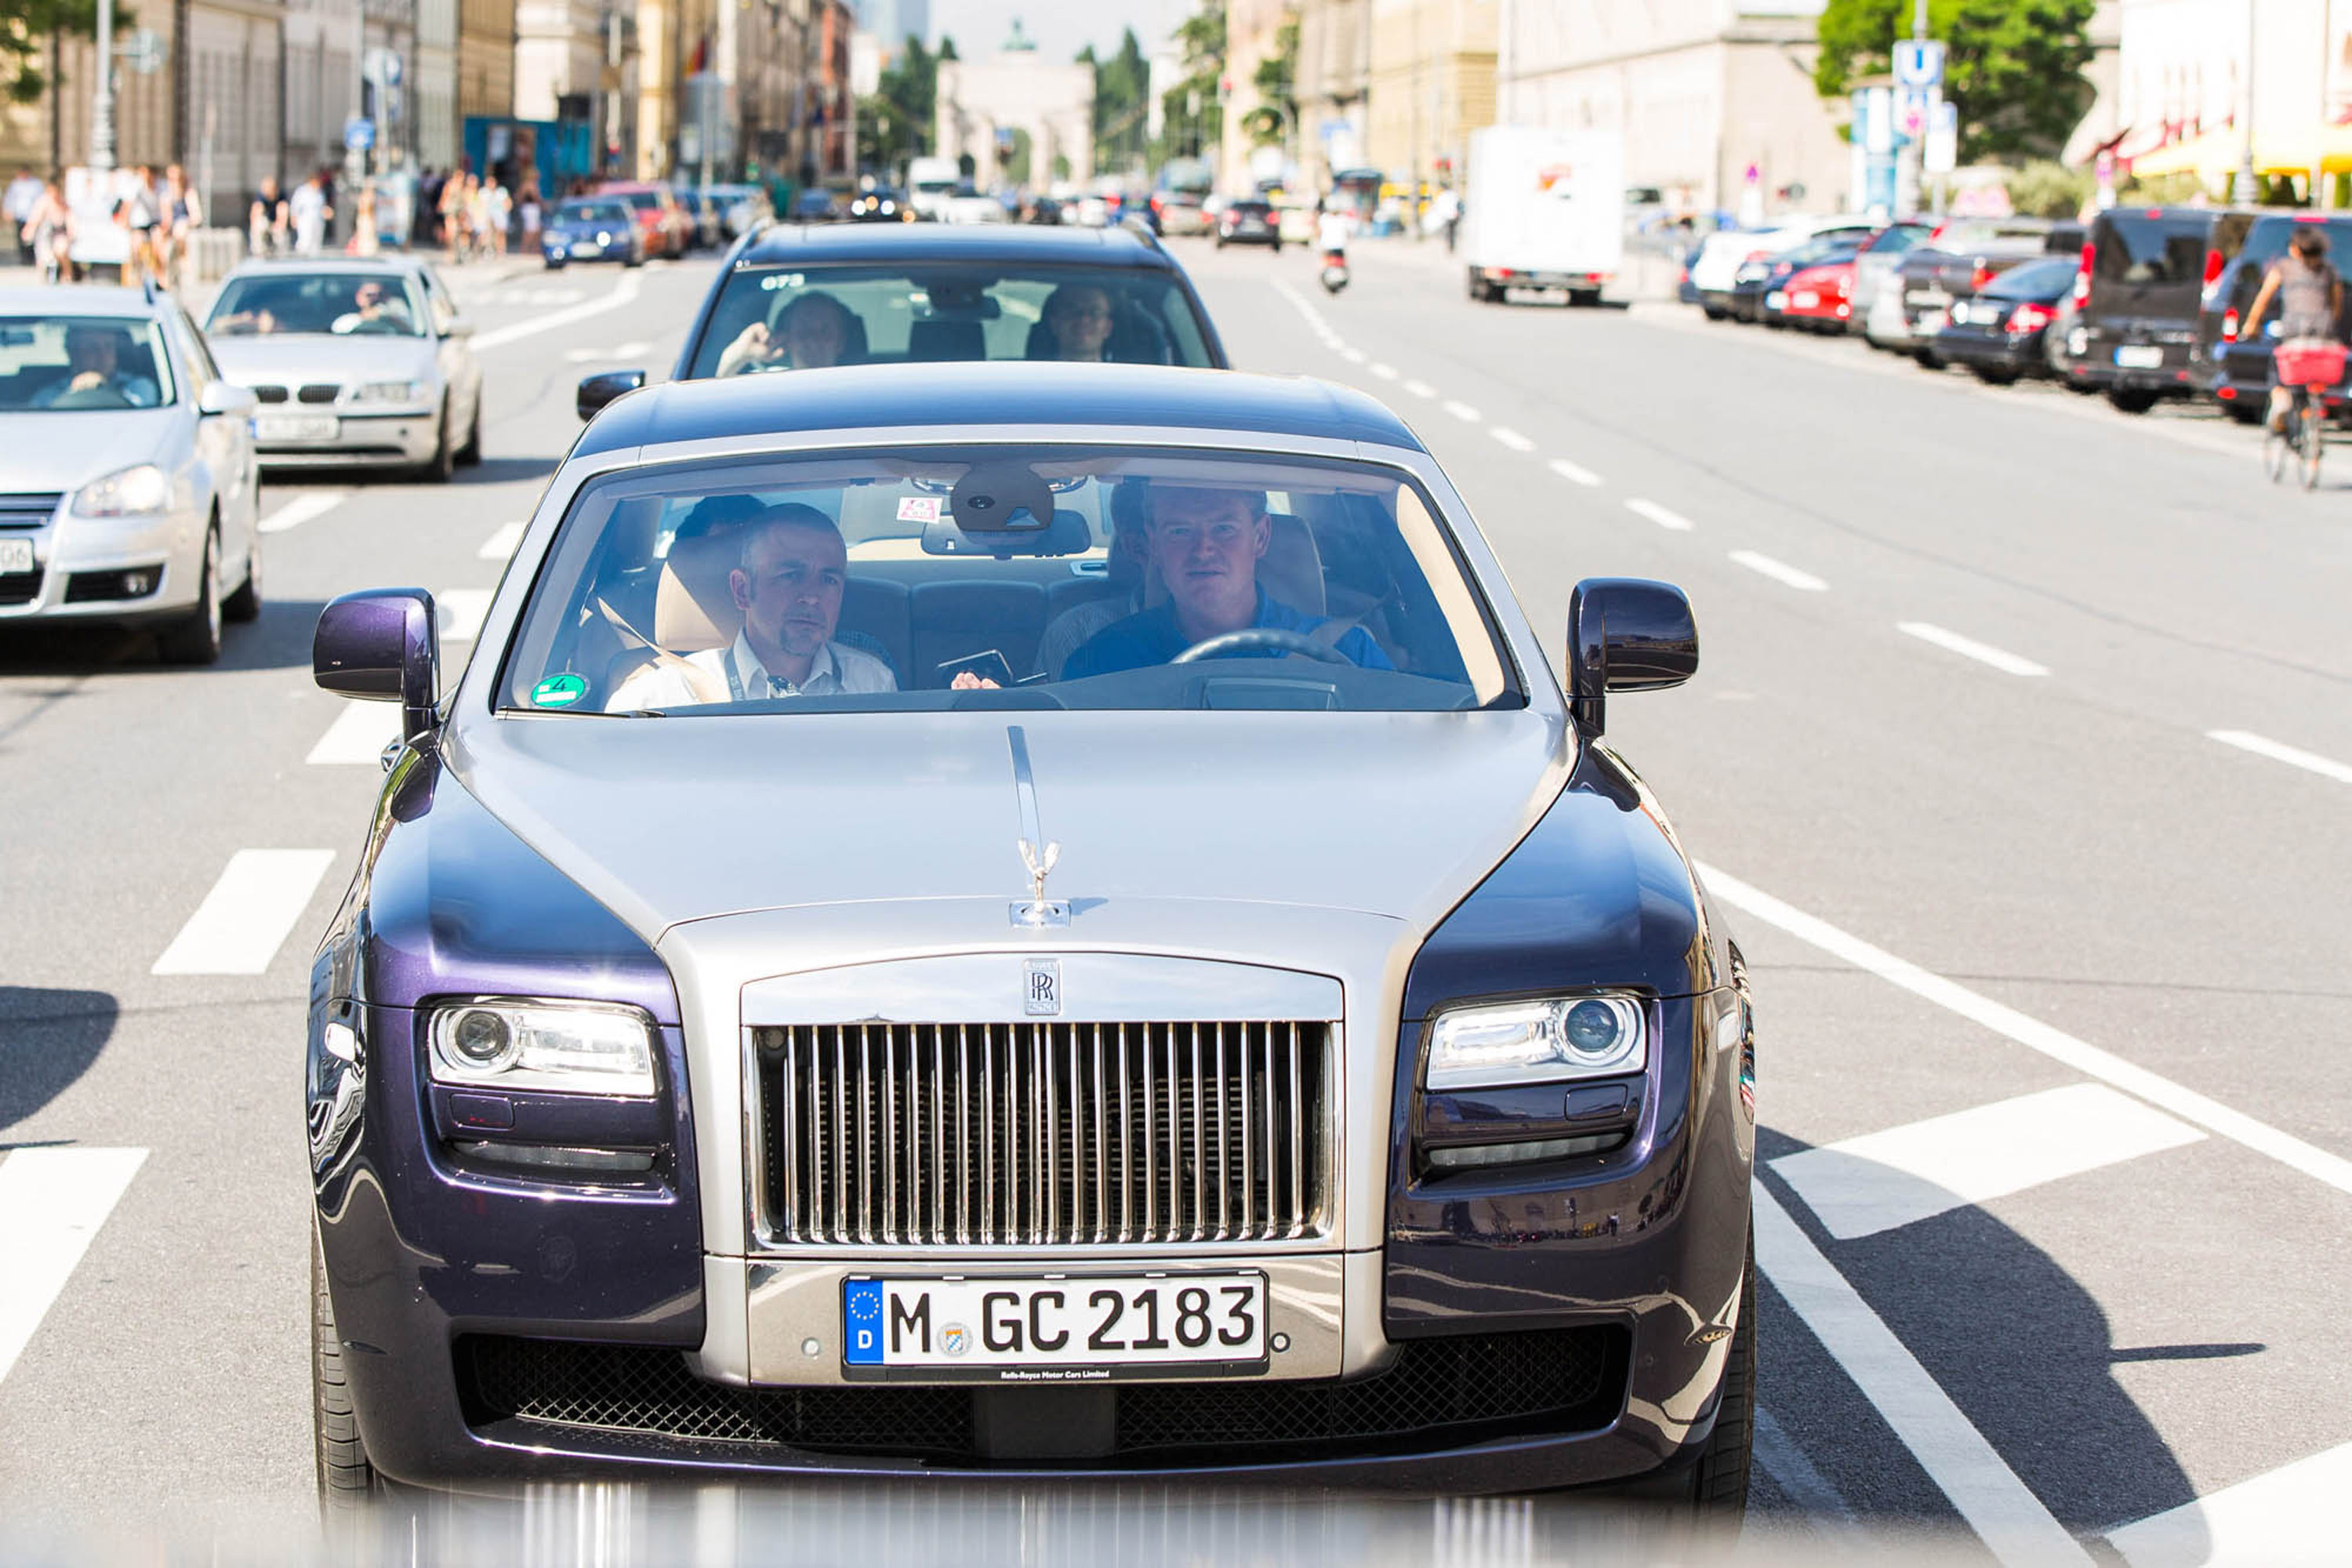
644	201
2035	280
892	581
297	303
592	212
68	362
772	319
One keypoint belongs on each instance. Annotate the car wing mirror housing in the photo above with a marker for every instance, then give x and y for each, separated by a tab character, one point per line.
1625	634
598	390
380	645
226	397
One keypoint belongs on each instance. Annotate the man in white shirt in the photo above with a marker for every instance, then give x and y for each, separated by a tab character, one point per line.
789	585
312	216
24	195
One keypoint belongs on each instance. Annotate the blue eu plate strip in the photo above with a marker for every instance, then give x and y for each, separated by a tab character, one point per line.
861	1322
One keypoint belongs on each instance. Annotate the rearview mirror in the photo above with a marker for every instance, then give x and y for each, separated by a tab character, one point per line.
380	645
601	388
1625	634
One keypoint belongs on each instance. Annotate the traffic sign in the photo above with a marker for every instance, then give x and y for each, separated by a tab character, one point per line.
359	134
1912	105
1918	63
1941	155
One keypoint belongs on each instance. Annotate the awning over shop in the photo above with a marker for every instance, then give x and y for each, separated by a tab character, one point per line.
2217	154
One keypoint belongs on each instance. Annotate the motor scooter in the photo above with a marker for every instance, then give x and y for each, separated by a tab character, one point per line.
1334	276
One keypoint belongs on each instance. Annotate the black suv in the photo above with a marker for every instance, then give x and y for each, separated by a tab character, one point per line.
2142	279
2243	247
805	296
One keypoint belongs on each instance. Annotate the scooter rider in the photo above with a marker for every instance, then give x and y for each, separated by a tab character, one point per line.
1332	227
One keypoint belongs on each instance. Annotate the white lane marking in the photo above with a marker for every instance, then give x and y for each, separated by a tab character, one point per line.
1421	389
1462	411
1574	473
2311	761
1385	372
239	927
1998	1506
528	296
302	509
1778	570
618	351
359	734
1673	522
1354	356
622	292
1969	647
500	545
1795	1475
2332	1169
459	612
1511	438
2293	1514
52	1201
1860	1186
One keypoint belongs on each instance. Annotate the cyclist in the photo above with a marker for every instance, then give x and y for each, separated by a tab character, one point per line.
2310	293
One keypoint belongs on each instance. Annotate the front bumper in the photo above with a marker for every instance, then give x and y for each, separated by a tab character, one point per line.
400	438
78	562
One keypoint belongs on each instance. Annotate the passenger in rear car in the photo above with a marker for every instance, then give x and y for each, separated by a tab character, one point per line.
1206	544
789	587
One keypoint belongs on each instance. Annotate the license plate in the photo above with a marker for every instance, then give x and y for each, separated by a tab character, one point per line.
2139	357
15	555
1068	1330
296	428
1775	300
1930	297
586	248
1804	299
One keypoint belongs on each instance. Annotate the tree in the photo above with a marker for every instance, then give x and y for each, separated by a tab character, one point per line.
25	29
2012	67
1122	103
1193	115
898	116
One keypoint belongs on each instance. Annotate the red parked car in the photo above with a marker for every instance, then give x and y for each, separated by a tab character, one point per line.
1819	298
661	217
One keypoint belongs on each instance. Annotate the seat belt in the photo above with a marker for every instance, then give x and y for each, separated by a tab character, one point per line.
699	680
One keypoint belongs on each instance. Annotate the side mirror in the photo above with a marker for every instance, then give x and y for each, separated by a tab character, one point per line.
1625	634
457	327
226	397
596	391
380	645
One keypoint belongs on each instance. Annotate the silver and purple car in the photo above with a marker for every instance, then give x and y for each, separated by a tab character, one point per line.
1297	1052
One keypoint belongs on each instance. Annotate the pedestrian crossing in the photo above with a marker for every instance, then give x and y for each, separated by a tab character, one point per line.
52	1202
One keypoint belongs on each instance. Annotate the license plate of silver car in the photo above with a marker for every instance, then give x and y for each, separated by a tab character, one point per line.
296	428
15	555
1066	1329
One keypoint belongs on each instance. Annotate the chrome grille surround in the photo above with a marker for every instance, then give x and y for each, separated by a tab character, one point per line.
1043	1134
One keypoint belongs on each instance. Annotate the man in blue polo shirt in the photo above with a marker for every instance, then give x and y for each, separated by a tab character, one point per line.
1207	544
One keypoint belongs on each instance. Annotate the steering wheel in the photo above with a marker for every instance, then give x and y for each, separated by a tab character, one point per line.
106	396
1272	638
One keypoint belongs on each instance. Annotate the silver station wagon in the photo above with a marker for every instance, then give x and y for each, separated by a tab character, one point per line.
1027	919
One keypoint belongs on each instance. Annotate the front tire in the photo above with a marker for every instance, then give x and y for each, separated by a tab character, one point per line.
1720	1480
470	454
2131	399
244	607
1994	376
195	638
442	465
346	1479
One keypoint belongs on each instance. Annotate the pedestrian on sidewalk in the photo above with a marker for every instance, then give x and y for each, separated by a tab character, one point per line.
48	230
266	220
312	216
183	214
23	194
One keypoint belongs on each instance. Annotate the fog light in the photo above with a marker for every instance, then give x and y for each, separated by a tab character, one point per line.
534	1156
136	584
1522	1153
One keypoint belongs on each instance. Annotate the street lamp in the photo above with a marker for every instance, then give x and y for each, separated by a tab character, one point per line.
2243	191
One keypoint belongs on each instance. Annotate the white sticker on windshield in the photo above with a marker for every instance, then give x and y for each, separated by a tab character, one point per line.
774	281
919	509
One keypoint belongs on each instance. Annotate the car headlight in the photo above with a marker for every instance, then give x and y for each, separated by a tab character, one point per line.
562	1047
1505	1044
140	491
390	392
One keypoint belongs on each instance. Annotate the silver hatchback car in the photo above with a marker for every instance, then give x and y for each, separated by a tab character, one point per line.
357	362
128	489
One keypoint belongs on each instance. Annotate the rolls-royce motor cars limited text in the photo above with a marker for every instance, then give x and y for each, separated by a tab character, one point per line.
1030	919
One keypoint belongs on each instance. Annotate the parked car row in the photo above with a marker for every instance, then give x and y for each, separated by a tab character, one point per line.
2143	305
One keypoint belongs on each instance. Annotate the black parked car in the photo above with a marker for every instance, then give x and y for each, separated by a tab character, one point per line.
2137	297
2243	247
1964	255
1998	332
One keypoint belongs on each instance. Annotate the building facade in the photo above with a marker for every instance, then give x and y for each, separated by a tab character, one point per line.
1253	35
1715	98
981	103
486	60
1431	82
1334	85
432	95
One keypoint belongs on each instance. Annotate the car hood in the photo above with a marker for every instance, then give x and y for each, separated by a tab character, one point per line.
677	819
324	357
63	449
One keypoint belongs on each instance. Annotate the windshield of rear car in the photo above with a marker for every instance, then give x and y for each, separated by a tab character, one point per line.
785	318
2034	279
592	212
69	363
644	201
2142	249
281	304
871	582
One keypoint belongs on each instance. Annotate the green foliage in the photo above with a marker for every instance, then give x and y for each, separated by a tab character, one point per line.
1275	80
1122	104
2015	67
2045	189
1193	118
896	123
25	29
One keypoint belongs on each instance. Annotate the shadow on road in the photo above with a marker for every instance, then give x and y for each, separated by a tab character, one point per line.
279	639
48	1038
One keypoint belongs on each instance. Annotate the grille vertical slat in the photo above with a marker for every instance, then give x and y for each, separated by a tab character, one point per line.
1220	1125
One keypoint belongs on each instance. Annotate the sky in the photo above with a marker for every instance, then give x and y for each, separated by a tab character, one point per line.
1061	27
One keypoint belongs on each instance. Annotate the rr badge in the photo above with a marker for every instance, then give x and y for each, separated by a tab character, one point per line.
1042	981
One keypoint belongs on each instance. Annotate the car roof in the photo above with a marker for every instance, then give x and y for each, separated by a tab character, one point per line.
1056	398
807	244
389	261
78	300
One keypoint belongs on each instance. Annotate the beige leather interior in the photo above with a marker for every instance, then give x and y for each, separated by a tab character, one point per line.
1292	568
694	607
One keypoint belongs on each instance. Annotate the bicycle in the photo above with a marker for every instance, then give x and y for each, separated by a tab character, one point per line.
2310	370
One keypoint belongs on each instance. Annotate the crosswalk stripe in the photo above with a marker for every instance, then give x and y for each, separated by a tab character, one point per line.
2293	1514
460	612
500	545
242	921
359	734
1860	1186
52	1201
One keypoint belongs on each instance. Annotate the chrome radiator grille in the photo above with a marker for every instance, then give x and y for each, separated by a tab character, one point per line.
997	1135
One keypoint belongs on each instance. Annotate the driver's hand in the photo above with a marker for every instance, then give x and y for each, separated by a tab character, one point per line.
966	680
88	381
750	350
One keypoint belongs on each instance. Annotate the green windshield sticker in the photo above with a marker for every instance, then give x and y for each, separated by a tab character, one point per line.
559	691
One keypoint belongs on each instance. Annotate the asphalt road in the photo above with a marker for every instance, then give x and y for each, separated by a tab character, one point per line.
2021	754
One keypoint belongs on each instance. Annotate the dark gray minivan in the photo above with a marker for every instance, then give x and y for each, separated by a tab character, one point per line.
2137	299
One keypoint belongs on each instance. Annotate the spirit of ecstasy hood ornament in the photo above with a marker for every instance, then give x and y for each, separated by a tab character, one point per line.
1037	854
